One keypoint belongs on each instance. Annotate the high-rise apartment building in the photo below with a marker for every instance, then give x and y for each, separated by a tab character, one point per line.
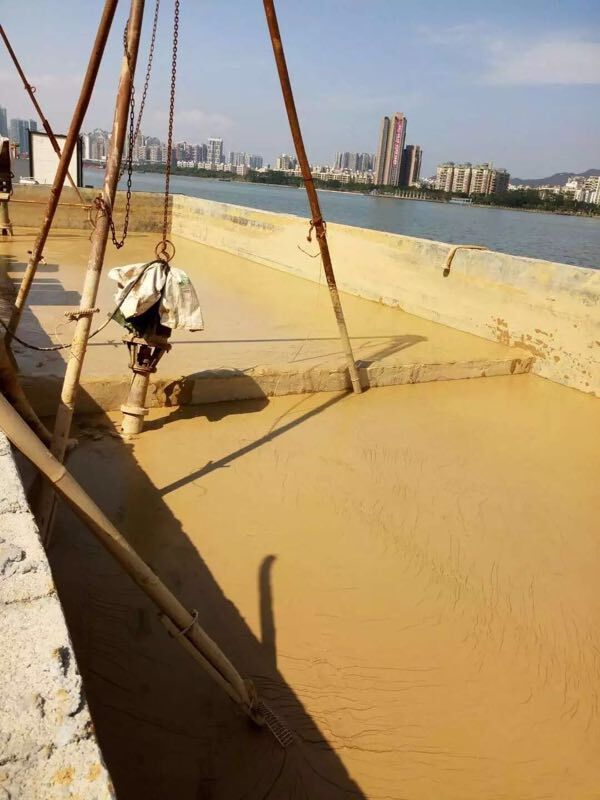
3	122
391	148
469	179
499	181
411	165
284	161
214	154
354	162
461	178
86	146
366	162
200	153
245	160
19	133
98	145
443	177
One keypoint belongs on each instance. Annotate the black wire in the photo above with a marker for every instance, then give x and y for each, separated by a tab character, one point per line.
56	347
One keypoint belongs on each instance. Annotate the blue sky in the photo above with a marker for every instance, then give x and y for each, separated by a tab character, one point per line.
517	83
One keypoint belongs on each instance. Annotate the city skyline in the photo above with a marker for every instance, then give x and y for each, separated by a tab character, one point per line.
466	71
449	176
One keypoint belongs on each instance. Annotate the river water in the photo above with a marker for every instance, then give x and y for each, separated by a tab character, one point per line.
571	240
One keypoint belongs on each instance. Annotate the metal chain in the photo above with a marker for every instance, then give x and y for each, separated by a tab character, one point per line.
147	78
134	129
162	247
118	243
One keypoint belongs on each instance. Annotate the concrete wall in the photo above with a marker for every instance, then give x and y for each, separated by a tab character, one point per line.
550	309
47	744
28	205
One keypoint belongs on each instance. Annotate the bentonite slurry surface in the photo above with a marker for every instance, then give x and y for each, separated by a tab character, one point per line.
409	576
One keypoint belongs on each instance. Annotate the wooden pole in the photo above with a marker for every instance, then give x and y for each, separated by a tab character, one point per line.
181	623
317	220
31	92
64	161
64	416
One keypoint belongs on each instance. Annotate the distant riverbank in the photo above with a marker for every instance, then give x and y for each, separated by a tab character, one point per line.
555	237
519	199
427	195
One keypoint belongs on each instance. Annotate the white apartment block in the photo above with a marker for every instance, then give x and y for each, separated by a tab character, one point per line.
444	176
469	179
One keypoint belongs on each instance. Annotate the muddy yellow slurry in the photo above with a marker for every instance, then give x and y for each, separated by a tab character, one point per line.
410	576
254	316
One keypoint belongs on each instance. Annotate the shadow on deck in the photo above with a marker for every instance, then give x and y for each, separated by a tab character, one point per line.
165	729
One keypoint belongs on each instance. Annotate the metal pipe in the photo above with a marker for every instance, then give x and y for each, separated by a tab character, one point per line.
64	161
66	406
183	624
134	410
317	220
5	223
31	92
60	205
454	250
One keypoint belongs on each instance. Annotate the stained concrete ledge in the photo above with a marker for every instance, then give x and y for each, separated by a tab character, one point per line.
546	308
47	744
266	333
108	393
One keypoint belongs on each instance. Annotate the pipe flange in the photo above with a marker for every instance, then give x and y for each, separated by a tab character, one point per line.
136	411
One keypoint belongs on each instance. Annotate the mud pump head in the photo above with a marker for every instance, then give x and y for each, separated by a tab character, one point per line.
144	355
5	187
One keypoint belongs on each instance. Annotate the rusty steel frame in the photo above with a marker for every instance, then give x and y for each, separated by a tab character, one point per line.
31	92
63	164
66	407
317	219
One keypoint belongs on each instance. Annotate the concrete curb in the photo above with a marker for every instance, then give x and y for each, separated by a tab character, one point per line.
214	386
47	743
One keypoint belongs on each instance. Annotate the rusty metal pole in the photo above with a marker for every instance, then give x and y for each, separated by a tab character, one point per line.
31	92
63	164
315	209
66	407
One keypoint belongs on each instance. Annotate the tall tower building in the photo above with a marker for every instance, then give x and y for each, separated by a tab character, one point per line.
214	154
3	122
444	176
19	133
461	178
391	148
411	165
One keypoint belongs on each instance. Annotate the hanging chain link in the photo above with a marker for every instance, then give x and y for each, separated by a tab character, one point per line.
146	79
118	243
162	249
134	129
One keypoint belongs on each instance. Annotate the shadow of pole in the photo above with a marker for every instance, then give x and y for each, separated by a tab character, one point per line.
211	466
164	730
267	616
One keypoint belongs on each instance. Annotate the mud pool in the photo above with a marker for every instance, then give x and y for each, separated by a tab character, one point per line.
409	576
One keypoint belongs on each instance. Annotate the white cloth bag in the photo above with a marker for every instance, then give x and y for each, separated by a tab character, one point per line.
179	305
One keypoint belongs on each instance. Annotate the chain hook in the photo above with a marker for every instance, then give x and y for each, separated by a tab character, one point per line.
165	251
313	226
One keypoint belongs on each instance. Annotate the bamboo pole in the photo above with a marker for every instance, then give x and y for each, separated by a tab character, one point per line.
64	161
66	406
317	220
181	623
31	92
13	391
